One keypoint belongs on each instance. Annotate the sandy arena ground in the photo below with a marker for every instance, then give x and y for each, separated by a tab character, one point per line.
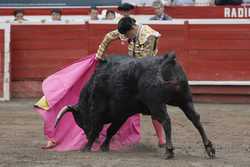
227	125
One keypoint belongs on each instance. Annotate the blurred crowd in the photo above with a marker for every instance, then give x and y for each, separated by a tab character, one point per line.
188	2
125	9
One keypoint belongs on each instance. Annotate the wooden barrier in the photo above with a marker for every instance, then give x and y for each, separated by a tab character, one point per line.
208	52
219	51
39	50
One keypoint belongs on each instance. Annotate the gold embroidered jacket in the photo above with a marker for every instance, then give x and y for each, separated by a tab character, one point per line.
145	43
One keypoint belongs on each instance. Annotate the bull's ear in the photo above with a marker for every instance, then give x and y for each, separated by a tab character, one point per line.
170	57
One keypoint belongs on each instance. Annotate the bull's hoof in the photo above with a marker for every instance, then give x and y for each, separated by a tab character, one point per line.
210	150
105	148
169	153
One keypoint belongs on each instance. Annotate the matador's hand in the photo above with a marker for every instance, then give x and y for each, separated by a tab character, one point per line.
101	59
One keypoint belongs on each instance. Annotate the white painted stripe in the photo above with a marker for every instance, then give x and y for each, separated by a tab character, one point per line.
219	21
165	22
6	74
222	83
143	19
84	21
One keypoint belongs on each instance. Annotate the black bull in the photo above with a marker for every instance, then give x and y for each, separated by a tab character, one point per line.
124	86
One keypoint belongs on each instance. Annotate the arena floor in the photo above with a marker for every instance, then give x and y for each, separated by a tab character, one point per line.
227	125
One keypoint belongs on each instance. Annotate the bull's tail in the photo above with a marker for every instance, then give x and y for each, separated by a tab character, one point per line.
61	113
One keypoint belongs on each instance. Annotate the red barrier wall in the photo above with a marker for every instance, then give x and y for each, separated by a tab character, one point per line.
207	52
37	51
221	52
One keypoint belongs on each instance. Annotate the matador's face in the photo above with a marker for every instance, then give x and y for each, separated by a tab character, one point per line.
131	34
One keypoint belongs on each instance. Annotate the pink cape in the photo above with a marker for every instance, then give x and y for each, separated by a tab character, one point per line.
63	88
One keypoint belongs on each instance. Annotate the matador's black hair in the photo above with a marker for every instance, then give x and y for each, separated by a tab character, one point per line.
126	24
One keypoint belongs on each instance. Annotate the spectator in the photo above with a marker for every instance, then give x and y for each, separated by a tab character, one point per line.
182	2
56	15
145	2
125	9
110	15
19	16
204	2
94	13
246	1
159	11
228	2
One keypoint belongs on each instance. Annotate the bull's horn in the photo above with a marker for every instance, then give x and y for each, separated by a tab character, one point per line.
59	116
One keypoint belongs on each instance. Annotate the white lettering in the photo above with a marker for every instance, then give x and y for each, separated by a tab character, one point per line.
227	12
233	12
240	12
245	12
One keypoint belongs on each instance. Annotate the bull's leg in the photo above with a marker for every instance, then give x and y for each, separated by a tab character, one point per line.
158	112
194	117
98	106
94	133
114	127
